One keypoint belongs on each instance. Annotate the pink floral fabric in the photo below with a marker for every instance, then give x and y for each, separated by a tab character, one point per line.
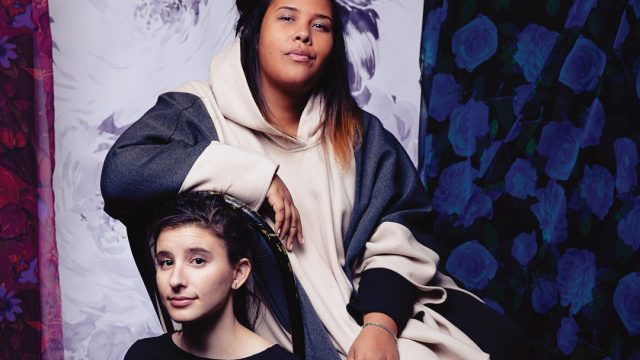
30	318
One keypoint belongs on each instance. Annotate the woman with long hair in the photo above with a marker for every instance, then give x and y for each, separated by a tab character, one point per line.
276	127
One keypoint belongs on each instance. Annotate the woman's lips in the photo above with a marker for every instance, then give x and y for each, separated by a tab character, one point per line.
300	56
181	301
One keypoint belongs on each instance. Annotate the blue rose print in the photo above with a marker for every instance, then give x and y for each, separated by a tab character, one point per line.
560	141
522	94
472	264
623	31
635	4
474	43
535	43
455	188
468	121
576	278
551	211
544	295
583	66
431	34
487	157
579	12
638	83
596	187
629	227
480	205
444	96
520	179
626	162
626	301
428	156
567	336
593	124
524	247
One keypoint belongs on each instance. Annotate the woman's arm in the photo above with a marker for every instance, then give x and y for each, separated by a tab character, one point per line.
390	251
174	147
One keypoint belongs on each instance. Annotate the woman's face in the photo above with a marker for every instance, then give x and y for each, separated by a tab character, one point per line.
295	43
193	273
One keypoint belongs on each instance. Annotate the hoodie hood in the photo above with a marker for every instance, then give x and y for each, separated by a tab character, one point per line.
234	99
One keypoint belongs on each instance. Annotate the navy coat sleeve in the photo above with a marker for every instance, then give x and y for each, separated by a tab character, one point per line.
387	189
150	160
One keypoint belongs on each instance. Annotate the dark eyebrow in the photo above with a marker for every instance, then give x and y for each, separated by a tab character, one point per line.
198	250
163	253
291	8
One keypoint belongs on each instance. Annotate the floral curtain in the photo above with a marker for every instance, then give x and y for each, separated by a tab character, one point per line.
30	319
529	148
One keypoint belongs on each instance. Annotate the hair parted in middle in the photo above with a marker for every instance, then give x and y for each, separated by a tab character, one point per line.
342	116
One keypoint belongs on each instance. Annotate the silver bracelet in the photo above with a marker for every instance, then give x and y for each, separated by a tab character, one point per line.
395	339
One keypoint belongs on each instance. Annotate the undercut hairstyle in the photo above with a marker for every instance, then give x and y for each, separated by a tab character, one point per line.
342	116
210	212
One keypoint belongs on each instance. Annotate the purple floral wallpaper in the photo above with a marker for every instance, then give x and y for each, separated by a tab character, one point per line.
529	147
112	59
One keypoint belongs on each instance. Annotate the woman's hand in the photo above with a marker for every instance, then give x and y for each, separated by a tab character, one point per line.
287	218
375	343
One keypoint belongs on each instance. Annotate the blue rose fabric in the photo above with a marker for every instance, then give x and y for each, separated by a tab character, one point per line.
524	247
430	34
583	67
635	4
544	295
547	182
579	11
551	212
444	96
472	264
475	43
487	157
623	31
596	188
576	278
626	301
567	335
455	188
520	179
593	125
522	94
534	46
560	142
468	122
626	153
629	227
480	205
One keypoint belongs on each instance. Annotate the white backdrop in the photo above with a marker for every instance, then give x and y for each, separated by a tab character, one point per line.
111	60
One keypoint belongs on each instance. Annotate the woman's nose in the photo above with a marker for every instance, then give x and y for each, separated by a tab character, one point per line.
177	279
302	35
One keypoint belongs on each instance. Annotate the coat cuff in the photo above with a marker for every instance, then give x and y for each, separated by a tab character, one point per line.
383	290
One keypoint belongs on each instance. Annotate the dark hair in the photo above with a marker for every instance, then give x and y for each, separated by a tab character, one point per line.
209	211
342	115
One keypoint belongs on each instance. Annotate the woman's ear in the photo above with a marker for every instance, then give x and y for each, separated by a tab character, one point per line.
241	273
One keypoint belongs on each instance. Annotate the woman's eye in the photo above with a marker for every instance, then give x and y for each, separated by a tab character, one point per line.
321	27
165	262
199	261
286	18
